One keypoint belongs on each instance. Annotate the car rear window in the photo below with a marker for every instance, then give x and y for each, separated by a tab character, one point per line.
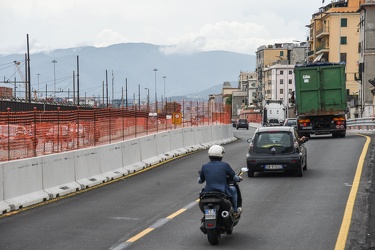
291	122
264	142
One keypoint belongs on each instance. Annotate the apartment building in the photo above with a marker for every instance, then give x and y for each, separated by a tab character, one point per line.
279	85
334	37
275	69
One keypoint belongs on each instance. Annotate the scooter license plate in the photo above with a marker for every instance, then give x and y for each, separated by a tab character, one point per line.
210	214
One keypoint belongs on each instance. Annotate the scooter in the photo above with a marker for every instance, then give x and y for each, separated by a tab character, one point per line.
219	217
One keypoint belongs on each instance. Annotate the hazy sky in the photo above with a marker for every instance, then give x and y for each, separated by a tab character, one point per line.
190	25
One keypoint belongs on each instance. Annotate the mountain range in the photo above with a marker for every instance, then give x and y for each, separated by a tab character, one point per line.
126	69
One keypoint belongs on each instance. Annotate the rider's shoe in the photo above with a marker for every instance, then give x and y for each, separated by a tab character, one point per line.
238	212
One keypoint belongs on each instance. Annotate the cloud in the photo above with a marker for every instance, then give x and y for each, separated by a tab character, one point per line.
186	26
230	36
186	44
107	37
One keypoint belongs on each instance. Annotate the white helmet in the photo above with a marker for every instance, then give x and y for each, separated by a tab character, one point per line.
216	151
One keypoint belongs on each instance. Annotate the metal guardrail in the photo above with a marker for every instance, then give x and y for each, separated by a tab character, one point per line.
365	123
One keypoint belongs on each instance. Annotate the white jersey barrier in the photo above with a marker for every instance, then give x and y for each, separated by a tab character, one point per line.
59	174
23	183
163	146
176	138
131	155
30	181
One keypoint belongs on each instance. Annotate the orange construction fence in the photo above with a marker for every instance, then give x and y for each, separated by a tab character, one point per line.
35	133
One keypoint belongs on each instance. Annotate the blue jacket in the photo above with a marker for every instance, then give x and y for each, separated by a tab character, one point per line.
215	174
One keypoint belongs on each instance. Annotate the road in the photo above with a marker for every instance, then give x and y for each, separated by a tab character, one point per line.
157	208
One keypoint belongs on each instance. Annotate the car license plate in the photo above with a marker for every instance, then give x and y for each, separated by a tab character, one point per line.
273	166
306	127
210	214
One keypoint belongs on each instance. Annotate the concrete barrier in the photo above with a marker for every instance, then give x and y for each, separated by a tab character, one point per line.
163	146
111	161
149	153
131	155
203	136
176	138
59	174
227	135
30	181
4	207
189	139
88	167
216	138
23	183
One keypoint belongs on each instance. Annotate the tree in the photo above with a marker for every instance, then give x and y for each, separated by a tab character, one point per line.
228	101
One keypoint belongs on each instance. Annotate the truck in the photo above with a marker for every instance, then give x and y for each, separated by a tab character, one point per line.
320	99
274	113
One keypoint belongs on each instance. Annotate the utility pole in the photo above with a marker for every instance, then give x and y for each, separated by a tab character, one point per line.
77	80
113	88
38	85
54	77
106	86
74	88
126	92
28	68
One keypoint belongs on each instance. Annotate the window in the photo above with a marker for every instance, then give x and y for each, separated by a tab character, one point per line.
343	57
281	91
281	81
281	53
343	40
281	72
344	22
290	81
290	72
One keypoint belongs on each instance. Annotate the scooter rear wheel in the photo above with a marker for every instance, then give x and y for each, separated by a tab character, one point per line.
213	236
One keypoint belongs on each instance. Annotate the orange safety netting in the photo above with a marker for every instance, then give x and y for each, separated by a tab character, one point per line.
35	133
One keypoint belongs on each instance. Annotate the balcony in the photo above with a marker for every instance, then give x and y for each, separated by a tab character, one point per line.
322	49
323	32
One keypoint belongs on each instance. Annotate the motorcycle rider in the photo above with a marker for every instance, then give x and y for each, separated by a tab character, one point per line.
216	174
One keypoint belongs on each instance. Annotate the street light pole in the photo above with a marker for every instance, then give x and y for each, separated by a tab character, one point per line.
148	98
54	77
38	86
156	97
164	87
148	108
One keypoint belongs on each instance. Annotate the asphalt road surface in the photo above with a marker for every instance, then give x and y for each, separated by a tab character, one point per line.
157	209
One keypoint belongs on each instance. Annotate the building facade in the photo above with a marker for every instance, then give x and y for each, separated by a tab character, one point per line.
334	37
366	65
275	69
